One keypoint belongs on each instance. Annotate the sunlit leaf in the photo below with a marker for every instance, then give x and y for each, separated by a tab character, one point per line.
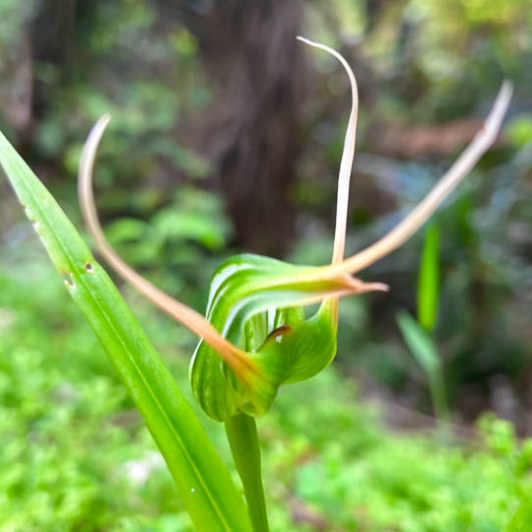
204	483
429	280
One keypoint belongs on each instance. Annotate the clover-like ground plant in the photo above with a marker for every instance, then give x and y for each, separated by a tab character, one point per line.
254	338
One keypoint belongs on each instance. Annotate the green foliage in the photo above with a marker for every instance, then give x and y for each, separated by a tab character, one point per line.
522	519
417	334
328	456
519	131
428	288
68	434
177	242
423	347
12	17
202	479
410	484
420	343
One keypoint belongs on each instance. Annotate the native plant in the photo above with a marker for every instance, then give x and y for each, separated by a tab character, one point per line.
418	335
255	336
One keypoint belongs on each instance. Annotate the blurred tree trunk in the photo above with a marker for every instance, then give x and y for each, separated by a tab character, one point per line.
251	131
49	51
253	54
252	57
56	35
51	41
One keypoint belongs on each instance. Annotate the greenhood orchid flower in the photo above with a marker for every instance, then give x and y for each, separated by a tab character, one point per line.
255	336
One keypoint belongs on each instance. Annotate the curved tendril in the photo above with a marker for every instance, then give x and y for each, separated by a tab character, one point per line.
238	360
346	167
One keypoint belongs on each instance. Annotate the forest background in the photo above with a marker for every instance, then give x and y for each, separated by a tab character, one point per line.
226	137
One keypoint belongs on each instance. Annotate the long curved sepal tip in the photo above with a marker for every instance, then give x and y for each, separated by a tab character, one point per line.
424	210
238	360
346	168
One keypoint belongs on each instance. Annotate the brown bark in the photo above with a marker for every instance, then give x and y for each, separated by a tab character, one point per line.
253	60
254	133
52	35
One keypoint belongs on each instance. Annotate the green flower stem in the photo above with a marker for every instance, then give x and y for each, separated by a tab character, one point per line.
244	441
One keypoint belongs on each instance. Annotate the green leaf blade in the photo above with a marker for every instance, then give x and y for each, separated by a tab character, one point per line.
419	343
429	280
203	481
424	349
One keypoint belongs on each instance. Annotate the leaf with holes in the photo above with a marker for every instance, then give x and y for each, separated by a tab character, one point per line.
204	483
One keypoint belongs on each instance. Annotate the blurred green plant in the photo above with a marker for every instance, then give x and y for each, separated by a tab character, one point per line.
428	288
255	323
522	519
418	335
519	131
68	437
423	348
203	481
73	451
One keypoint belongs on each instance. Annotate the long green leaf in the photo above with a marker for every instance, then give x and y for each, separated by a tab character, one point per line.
203	481
420	343
429	280
424	350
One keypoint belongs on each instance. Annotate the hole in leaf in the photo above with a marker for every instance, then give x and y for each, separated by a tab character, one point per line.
69	280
